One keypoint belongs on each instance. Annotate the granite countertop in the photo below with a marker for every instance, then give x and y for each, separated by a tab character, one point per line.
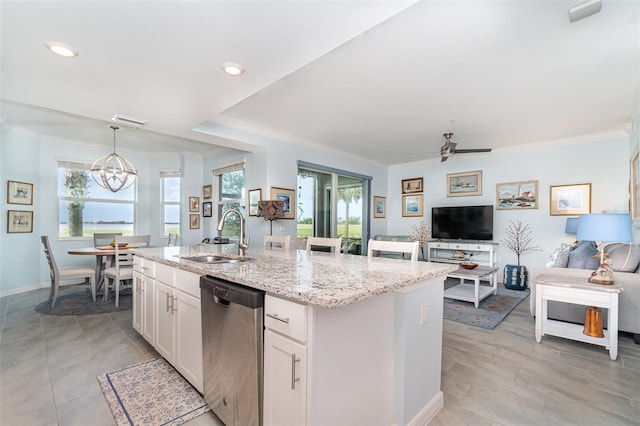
317	278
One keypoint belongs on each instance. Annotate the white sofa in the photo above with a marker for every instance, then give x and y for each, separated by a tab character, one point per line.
626	273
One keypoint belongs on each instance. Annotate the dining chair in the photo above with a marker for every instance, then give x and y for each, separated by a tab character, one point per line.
101	239
120	275
281	242
173	240
66	273
330	243
377	246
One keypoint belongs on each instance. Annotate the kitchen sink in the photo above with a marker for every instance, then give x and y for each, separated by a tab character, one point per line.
216	259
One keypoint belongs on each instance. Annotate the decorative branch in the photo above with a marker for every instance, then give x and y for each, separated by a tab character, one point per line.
420	233
519	239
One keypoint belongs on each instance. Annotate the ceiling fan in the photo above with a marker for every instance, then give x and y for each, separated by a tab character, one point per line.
449	148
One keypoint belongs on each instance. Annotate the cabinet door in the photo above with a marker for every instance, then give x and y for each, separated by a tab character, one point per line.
165	322
189	339
148	310
138	305
285	380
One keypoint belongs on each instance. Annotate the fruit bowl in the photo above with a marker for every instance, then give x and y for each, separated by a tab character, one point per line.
120	245
468	265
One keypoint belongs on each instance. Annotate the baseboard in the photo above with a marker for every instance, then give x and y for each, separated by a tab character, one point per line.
429	411
24	289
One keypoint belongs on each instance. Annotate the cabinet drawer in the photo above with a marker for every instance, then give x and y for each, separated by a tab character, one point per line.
439	245
286	317
188	282
164	274
458	246
144	266
479	247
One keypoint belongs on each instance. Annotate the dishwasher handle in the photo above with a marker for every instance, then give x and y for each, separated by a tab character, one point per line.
220	301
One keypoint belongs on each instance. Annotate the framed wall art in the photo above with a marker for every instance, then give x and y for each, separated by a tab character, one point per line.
464	184
19	193
207	209
570	200
379	207
412	205
207	192
19	221
409	186
517	195
194	221
288	197
194	204
255	196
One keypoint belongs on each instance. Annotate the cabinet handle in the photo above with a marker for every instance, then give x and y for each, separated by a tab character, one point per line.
294	379
278	318
167	302
173	304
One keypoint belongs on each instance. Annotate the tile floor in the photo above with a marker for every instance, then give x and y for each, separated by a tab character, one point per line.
49	364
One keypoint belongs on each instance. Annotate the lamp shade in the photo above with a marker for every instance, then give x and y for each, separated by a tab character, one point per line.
571	226
609	227
271	209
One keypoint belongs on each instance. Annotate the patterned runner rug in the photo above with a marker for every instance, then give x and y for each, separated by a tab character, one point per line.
151	393
490	312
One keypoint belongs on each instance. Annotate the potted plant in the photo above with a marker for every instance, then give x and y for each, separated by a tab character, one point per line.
420	233
518	240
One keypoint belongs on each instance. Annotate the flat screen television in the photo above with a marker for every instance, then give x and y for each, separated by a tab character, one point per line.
462	223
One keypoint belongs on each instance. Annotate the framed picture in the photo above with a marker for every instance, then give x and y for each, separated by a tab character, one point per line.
412	205
410	186
570	200
635	187
288	196
207	192
379	206
19	221
255	195
194	204
194	221
463	184
19	193
207	209
517	195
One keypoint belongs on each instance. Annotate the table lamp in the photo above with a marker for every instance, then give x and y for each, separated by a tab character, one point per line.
271	210
571	227
606	228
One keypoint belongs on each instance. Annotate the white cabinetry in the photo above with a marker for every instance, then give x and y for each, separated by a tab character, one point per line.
285	362
483	253
171	321
143	288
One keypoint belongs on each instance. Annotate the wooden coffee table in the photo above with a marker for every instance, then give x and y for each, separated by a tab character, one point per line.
473	292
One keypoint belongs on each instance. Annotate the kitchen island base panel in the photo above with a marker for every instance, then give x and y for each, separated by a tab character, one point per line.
374	362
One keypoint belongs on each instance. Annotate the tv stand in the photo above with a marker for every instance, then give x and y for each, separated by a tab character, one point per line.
483	253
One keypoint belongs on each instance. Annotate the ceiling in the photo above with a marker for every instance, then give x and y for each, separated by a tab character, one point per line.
378	79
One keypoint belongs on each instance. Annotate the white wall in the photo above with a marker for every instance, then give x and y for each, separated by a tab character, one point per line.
603	163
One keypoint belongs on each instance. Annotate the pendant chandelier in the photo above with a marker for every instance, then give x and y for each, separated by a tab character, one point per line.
112	171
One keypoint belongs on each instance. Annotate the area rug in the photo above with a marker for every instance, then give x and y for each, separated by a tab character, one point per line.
490	312
151	393
79	302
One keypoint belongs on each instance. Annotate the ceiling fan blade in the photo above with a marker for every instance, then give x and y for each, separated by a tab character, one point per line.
467	151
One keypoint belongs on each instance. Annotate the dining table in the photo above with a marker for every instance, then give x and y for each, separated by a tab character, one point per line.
100	252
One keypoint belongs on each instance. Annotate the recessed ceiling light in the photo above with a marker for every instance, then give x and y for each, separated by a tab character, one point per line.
232	69
61	49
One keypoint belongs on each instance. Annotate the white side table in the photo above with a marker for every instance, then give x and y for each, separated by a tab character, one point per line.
578	291
473	292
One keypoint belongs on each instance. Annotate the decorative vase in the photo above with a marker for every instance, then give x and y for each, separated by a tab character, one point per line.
515	277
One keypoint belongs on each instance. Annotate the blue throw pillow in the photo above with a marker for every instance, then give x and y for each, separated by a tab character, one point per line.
582	256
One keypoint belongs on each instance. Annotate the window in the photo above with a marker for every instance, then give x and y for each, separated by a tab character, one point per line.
230	186
84	207
170	187
333	203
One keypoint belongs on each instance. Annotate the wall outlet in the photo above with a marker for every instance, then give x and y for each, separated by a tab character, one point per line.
424	314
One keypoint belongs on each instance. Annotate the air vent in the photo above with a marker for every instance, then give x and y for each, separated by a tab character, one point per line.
130	120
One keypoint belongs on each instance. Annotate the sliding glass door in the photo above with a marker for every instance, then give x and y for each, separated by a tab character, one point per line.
333	203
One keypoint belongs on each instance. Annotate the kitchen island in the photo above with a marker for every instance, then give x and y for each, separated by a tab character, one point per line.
366	333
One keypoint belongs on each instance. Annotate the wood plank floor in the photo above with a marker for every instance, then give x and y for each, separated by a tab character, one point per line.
48	369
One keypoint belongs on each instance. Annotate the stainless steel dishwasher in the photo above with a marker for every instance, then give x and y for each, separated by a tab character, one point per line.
232	340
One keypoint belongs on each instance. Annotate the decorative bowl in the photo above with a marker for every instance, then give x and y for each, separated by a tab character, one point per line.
468	265
119	245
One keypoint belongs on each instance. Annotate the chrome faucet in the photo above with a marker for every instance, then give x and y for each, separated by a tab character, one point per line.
242	245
